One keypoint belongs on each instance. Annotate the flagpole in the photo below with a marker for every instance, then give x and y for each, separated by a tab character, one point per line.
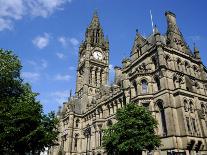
152	21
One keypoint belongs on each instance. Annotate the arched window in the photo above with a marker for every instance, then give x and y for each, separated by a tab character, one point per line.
179	64
163	119
144	86
135	87
157	81
77	123
186	67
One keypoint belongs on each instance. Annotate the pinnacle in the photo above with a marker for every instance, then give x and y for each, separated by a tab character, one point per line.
95	20
156	31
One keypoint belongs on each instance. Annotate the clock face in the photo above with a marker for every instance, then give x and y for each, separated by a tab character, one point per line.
97	55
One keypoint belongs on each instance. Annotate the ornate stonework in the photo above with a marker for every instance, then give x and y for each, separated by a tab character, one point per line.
161	74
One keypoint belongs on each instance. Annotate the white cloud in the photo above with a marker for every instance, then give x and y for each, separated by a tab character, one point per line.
74	41
41	41
31	76
38	65
60	96
60	55
12	10
60	77
66	41
63	41
5	24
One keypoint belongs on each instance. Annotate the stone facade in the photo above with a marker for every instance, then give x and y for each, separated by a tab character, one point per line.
161	74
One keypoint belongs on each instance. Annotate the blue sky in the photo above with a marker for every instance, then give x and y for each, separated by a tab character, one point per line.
45	34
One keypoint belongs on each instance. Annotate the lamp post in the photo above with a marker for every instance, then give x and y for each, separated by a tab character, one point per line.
87	133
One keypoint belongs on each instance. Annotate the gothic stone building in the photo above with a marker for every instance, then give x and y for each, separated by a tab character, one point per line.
161	74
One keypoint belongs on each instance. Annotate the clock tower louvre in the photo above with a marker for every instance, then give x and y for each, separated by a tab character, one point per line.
93	63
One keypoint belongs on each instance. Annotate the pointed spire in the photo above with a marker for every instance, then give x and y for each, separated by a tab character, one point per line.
95	20
138	42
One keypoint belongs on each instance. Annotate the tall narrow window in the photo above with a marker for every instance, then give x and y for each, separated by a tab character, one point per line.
179	65
75	142
96	77
101	76
186	108
100	139
174	81
77	123
90	76
144	86
135	87
202	108
191	106
167	58
194	125
188	125
163	120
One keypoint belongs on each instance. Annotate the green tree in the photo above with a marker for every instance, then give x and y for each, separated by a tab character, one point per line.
133	132
23	125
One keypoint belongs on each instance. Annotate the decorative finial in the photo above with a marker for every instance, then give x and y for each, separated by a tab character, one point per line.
95	12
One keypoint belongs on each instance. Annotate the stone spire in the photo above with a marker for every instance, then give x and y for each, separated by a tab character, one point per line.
95	23
174	36
94	33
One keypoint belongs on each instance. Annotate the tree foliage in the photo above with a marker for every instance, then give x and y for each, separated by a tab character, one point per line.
133	132
23	125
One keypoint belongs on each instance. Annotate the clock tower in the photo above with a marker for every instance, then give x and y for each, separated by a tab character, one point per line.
93	63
